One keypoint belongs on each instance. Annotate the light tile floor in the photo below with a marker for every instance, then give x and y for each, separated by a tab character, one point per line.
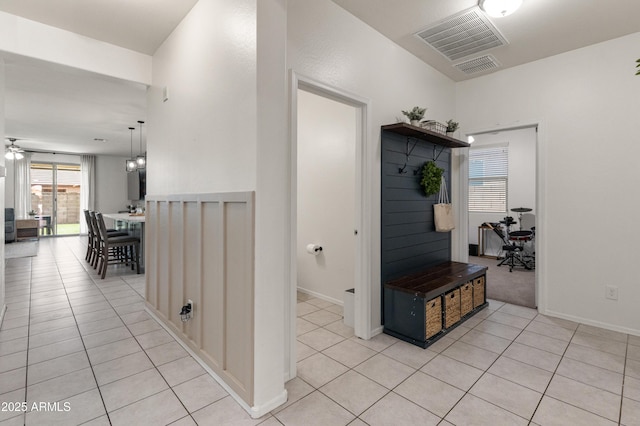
73	338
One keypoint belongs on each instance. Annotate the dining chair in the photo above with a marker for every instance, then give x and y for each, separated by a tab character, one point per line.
116	249
95	238
90	236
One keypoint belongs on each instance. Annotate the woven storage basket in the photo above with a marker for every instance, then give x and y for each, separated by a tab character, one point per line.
478	291
452	308
433	315
466	298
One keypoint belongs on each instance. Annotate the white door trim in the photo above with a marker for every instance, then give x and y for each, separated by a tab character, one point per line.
541	203
362	320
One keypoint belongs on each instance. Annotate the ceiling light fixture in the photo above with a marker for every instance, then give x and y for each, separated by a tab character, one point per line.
14	152
141	159
131	165
499	8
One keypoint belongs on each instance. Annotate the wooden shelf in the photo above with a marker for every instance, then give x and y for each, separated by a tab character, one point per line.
425	135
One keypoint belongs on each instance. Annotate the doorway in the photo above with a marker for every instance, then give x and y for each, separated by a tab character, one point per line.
55	198
326	246
503	211
353	229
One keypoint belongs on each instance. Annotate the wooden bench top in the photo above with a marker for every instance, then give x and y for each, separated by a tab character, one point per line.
437	279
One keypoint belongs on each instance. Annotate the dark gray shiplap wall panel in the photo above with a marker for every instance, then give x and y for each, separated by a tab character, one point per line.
409	240
400	255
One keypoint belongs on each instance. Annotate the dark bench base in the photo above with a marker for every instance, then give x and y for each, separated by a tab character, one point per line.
430	341
406	302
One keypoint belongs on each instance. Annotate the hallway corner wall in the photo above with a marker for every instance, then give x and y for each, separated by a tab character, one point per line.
2	190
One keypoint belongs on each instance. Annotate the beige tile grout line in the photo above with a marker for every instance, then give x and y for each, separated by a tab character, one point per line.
82	340
155	367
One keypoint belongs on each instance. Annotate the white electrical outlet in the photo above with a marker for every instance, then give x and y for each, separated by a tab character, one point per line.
611	292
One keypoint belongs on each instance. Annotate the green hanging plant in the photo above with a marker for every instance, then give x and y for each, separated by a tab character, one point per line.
431	178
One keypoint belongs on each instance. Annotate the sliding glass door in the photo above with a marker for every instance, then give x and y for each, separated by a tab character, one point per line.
55	198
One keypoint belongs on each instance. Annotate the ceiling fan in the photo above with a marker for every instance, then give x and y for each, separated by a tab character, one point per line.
13	151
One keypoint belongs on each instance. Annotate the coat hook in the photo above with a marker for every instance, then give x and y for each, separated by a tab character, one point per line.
435	158
407	154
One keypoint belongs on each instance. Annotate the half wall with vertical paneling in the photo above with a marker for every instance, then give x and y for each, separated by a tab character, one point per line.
200	247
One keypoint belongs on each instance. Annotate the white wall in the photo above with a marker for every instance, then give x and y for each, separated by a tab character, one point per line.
587	104
272	201
521	180
2	192
328	44
39	157
326	195
205	139
32	39
111	184
8	181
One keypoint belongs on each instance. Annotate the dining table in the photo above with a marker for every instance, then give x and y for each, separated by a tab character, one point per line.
134	224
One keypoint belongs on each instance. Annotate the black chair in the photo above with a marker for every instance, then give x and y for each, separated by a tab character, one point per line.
90	237
114	250
511	246
93	245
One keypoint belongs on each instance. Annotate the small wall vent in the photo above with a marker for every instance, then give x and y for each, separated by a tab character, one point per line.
479	64
466	33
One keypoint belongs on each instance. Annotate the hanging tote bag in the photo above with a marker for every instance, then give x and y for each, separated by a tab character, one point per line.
443	210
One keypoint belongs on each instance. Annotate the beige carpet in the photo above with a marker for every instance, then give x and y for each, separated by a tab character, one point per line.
517	287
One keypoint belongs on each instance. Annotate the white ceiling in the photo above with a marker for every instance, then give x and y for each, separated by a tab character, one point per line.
140	25
540	28
56	108
61	109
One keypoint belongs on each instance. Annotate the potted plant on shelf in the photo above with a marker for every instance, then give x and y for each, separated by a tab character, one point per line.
452	126
415	115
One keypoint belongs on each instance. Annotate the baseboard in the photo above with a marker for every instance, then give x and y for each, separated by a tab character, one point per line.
260	410
376	331
255	411
591	322
3	310
321	296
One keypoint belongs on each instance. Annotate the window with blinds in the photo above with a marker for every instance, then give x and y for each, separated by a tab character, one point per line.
488	173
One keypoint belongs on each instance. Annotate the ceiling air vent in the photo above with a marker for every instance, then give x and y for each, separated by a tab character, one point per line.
466	33
479	64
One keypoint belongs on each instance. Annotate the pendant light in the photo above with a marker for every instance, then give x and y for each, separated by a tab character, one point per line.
131	164
141	159
499	8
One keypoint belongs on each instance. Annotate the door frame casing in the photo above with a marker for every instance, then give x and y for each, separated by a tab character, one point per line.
362	308
460	194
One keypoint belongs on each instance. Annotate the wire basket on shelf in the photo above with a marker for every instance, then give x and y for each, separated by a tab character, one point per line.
435	126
